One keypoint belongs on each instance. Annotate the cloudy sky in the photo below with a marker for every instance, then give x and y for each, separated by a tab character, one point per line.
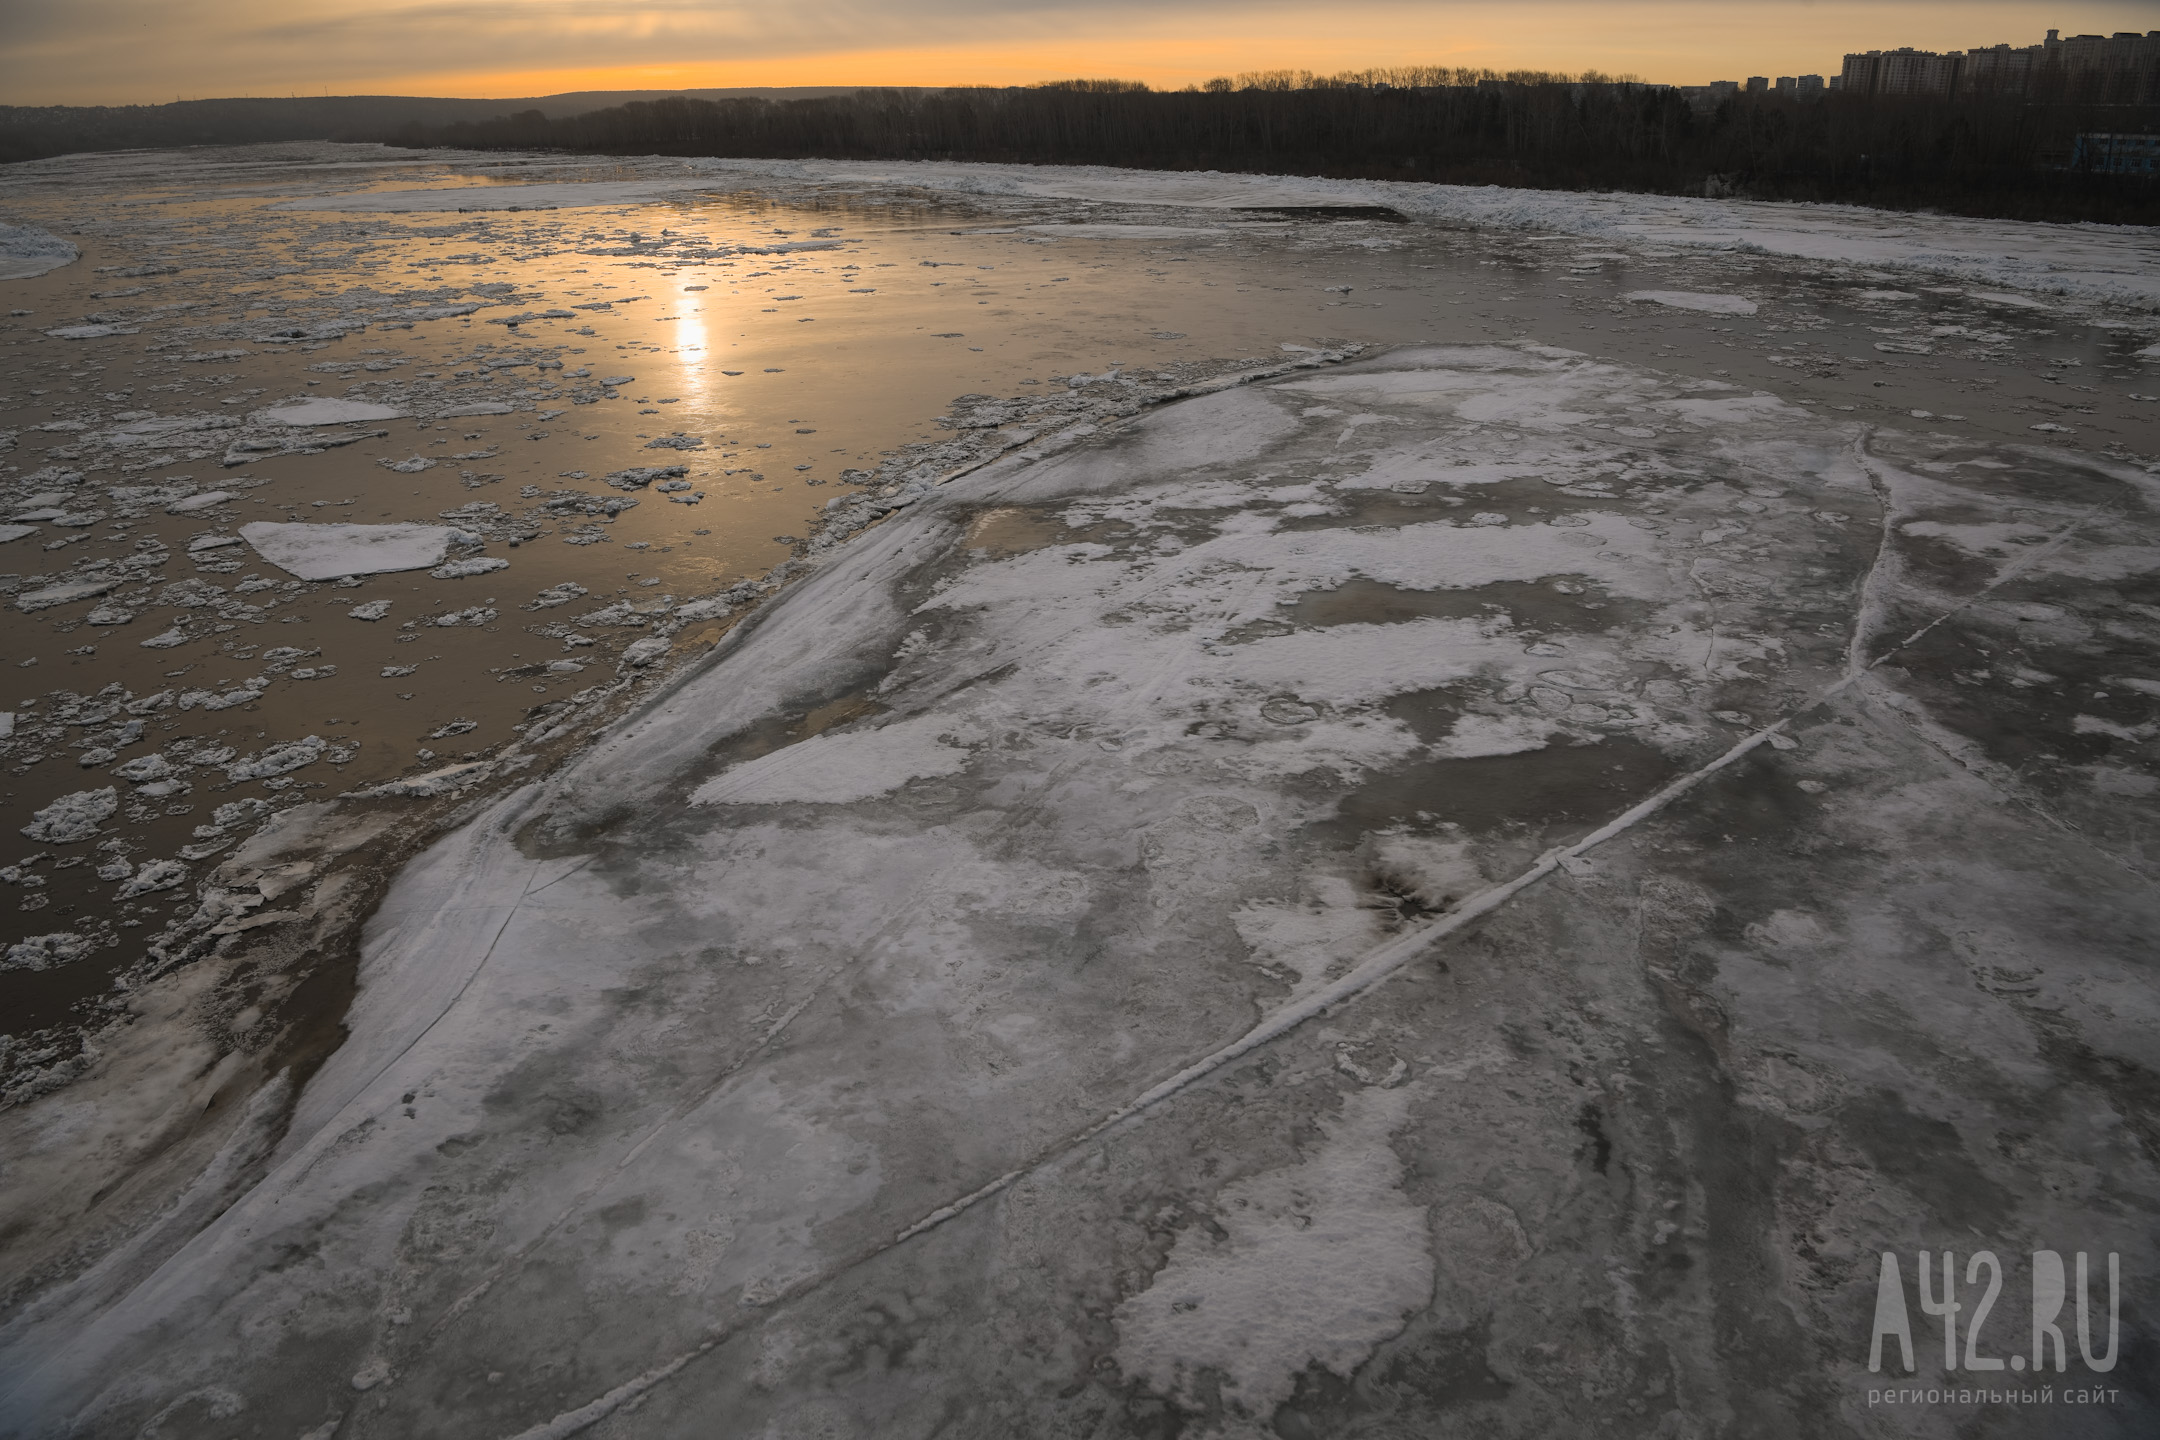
138	51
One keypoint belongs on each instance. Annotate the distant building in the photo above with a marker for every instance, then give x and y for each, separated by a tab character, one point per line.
1810	84
2118	69
1758	84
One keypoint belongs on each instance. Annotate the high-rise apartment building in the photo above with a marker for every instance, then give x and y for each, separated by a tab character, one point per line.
2123	69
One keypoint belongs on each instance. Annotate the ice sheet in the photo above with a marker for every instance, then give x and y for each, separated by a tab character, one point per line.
2117	264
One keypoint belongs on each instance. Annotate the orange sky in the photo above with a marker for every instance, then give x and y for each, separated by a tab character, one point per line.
135	51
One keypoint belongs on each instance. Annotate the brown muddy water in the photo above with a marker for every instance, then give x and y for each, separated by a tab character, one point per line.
786	347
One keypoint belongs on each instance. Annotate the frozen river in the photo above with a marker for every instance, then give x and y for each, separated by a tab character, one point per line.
695	798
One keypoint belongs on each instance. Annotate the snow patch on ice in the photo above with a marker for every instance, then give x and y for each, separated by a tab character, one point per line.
839	769
1317	1263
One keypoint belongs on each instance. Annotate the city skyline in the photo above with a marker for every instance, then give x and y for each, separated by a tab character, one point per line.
137	52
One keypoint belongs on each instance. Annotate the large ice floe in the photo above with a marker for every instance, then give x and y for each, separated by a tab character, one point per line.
1397	892
327	552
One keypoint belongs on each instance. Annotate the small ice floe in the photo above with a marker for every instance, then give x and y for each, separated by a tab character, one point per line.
561	593
65	593
327	552
92	332
1709	304
2052	428
434	782
143	428
73	818
373	610
477	407
203	501
154	876
461	569
16	532
412	466
145	768
278	760
43	952
166	639
326	411
638	477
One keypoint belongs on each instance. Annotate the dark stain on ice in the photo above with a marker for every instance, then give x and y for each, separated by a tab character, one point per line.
1927	1158
1559	785
1591	1122
1424	1369
1531	605
1385	213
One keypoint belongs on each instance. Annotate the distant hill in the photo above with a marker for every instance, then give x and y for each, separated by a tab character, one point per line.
29	132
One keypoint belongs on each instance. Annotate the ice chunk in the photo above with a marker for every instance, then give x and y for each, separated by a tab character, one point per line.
145	768
1693	300
711	609
434	782
203	501
561	593
373	610
73	818
42	952
91	332
156	875
645	651
411	466
65	593
278	759
15	532
460	569
478	407
638	477
325	411
325	552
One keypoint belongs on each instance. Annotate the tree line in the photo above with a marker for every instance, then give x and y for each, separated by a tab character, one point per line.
1974	155
1985	156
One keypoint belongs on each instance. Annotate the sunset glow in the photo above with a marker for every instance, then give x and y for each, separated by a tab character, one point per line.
133	51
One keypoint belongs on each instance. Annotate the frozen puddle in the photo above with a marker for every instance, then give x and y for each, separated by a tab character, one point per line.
974	950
